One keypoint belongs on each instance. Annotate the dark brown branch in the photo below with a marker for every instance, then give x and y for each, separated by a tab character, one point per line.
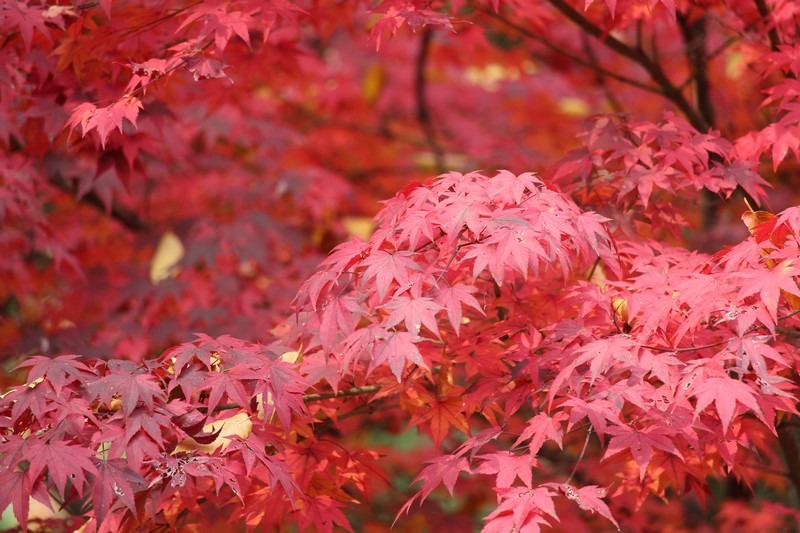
772	32
522	30
127	218
789	332
694	37
668	89
354	391
791	453
423	110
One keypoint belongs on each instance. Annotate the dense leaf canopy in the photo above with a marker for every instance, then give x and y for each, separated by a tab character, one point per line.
333	265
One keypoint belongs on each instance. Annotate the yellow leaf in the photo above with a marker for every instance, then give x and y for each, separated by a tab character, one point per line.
361	227
293	357
620	306
167	255
574	107
373	83
238	425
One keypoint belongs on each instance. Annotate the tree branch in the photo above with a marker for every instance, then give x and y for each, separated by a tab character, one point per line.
668	89
694	37
566	53
354	391
127	218
308	398
772	32
791	454
423	111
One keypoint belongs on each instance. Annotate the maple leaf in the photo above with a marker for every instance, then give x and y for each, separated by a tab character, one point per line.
414	313
114	481
221	22
769	284
228	384
105	119
440	470
522	509
128	381
324	513
397	12
64	462
398	347
60	371
507	466
725	392
206	68
387	267
36	397
441	412
283	387
25	17
253	452
588	498
463	208
453	297
15	490
541	428
338	316
477	441
641	443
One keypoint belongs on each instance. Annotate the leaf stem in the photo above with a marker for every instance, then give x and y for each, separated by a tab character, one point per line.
580	457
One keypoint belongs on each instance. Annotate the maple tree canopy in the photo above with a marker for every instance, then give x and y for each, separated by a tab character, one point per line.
336	266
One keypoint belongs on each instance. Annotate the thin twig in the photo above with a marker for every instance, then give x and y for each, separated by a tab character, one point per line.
713	344
580	457
308	398
354	391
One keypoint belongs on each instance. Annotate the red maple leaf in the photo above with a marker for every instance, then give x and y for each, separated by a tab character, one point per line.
114	482
396	349
105	119
453	297
128	381
442	412
522	509
541	428
588	498
507	466
414	313
64	462
386	267
440	470
641	443
60	371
